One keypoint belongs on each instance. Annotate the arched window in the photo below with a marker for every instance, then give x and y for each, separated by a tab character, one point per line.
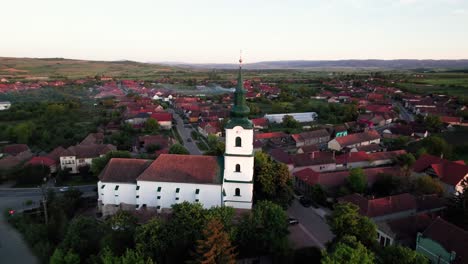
237	192
237	167
238	142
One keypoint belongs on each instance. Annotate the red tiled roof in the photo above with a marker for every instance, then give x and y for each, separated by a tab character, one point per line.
42	161
386	155
270	135
55	154
450	172
15	149
183	169
352	157
310	135
160	140
450	119
162	117
357	138
263	122
88	151
424	162
123	170
280	156
382	206
449	236
313	158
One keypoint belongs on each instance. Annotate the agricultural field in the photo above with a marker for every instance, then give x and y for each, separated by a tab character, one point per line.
455	84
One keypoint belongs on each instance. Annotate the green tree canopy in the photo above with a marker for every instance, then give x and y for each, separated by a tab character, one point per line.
386	185
401	255
346	221
357	181
98	164
405	161
152	126
290	122
178	149
437	146
349	251
427	185
60	257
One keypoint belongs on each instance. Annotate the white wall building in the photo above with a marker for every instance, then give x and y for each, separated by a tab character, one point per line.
171	179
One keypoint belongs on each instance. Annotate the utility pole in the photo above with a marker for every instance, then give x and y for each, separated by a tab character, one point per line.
44	200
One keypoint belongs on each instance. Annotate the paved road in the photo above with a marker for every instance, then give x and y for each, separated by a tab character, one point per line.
404	114
312	229
185	134
13	249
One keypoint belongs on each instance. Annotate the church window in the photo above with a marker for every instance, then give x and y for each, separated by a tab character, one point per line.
159	197
197	191
138	187
238	142
237	193
177	198
237	167
177	190
158	207
159	189
197	200
116	188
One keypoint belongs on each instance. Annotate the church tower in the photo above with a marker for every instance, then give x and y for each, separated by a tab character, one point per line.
239	155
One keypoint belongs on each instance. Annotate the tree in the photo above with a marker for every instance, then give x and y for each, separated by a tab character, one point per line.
349	251
401	255
427	185
357	181
272	180
307	255
215	246
437	146
32	174
346	221
178	149
290	122
130	257
60	257
386	185
433	123
264	230
318	194
98	164
122	233
152	126
215	147
405	161
152	239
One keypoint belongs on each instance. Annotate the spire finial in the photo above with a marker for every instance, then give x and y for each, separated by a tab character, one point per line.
240	58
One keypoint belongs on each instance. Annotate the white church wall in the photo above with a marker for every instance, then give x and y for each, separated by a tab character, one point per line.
245	197
125	193
209	195
246	136
246	168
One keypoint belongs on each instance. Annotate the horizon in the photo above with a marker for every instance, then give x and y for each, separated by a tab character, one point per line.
211	31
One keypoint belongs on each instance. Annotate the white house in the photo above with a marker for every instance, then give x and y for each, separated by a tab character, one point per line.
133	184
354	140
78	156
5	105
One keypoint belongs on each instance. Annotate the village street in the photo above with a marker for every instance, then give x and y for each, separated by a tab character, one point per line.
185	134
13	249
312	229
404	113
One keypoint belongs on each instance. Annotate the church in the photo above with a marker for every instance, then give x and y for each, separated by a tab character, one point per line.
170	179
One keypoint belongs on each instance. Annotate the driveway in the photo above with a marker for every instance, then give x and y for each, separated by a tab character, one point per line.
312	229
185	134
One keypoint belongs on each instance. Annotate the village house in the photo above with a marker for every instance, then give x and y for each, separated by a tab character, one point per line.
450	173
317	160
159	141
317	137
354	140
164	119
93	138
212	181
78	156
443	242
44	161
260	123
210	128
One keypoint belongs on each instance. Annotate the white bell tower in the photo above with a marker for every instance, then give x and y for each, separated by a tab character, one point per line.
239	156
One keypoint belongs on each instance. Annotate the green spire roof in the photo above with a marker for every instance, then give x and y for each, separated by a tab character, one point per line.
240	111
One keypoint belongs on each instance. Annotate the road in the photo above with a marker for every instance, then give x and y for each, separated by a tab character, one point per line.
312	229
13	249
404	114
185	134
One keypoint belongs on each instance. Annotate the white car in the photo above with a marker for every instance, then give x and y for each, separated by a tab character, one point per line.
64	189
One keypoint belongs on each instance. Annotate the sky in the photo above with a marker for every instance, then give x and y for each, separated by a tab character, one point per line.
213	31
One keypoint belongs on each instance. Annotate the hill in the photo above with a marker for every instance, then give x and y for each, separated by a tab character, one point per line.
33	68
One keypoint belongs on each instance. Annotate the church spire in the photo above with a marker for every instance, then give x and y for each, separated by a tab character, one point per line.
240	108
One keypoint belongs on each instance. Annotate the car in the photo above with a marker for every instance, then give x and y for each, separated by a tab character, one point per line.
306	202
64	189
293	221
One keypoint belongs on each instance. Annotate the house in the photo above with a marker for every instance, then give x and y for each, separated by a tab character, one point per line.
164	119
306	178
44	161
402	231
260	123
78	156
354	140
318	137
393	207
300	117
450	173
5	105
156	140
443	242
317	161
171	179
93	138
15	149
281	156
10	162
210	128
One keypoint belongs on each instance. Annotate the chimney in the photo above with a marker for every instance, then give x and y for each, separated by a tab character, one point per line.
441	155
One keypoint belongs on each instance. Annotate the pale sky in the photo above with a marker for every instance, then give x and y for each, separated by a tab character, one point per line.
206	31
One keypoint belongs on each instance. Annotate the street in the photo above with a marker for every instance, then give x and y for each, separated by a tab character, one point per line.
185	134
312	229
404	114
13	248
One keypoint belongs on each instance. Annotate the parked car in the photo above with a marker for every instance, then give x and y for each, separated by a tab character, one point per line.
64	189
293	221
306	202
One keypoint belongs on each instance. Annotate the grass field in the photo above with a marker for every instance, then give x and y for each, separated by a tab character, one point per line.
455	84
